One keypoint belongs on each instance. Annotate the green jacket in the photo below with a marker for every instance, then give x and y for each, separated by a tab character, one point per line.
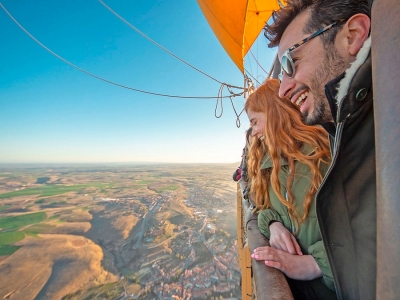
308	236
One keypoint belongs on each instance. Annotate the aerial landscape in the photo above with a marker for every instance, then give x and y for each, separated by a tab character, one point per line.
107	84
86	231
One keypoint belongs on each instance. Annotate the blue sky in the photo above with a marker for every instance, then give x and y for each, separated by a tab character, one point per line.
51	112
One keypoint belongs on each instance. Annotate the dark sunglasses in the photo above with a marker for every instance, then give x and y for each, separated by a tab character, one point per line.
287	64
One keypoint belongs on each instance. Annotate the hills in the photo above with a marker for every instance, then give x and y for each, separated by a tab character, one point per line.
110	232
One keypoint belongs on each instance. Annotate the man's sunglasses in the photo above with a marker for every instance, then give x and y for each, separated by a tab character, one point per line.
287	61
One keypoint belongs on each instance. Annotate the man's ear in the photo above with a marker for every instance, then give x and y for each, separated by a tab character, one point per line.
358	28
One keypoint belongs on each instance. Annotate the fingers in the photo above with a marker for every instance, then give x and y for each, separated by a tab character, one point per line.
300	267
282	239
290	245
265	253
274	264
261	249
296	246
272	258
276	245
259	253
285	243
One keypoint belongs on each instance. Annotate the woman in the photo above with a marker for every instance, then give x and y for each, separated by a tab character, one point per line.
287	162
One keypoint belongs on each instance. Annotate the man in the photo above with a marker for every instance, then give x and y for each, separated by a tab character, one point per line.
324	49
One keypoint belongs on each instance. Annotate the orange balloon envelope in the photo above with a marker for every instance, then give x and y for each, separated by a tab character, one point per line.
237	23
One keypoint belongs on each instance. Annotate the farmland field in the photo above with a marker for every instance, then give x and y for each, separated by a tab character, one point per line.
13	222
49	190
93	231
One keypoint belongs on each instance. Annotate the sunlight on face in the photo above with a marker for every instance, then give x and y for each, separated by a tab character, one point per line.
257	123
315	66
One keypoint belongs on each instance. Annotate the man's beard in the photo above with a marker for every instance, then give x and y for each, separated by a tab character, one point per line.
333	65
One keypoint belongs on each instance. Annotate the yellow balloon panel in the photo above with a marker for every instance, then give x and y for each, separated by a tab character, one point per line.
237	23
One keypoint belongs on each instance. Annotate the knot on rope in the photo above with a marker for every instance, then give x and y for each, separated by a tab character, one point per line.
247	90
231	96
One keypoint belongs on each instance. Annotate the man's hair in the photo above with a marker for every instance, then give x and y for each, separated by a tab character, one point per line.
322	13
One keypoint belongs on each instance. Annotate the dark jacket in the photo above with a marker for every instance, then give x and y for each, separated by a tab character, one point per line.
346	201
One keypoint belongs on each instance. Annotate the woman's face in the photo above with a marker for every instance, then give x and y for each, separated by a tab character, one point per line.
257	123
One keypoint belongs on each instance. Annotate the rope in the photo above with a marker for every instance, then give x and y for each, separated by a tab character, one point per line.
223	84
219	99
108	81
251	69
257	62
247	72
163	48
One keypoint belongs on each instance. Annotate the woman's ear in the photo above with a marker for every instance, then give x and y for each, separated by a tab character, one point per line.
357	31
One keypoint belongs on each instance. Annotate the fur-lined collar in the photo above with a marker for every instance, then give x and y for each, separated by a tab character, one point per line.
344	84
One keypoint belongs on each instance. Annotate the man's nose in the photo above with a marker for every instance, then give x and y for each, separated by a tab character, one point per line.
287	84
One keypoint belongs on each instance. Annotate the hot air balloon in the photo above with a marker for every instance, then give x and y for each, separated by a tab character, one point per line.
237	24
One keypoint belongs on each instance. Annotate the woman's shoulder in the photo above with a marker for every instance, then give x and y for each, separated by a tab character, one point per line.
267	163
306	149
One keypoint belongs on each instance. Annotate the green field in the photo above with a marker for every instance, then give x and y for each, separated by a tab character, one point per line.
13	222
34	230
51	190
171	187
8	250
8	238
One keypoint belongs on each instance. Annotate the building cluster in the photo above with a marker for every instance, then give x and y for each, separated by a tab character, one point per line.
199	262
154	230
212	279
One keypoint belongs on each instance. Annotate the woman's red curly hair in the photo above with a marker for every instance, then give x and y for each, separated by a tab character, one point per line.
285	134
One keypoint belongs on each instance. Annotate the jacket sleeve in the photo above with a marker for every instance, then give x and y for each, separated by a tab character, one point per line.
317	251
265	217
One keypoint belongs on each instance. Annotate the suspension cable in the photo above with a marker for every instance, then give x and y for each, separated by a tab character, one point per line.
163	48
258	62
247	72
111	82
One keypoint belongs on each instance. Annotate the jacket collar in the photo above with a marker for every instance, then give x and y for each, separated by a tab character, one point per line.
267	162
350	74
349	91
